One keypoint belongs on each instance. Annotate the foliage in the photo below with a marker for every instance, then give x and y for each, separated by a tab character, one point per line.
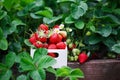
33	68
98	17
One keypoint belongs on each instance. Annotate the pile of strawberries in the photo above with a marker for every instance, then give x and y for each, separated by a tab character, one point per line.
49	38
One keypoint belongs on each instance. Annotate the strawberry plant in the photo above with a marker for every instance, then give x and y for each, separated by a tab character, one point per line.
34	67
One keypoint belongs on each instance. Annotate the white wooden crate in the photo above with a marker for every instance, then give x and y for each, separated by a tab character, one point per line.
61	60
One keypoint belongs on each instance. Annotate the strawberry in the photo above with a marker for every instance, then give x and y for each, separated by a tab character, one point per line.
63	33
56	26
38	44
45	45
43	39
75	51
88	33
36	35
43	27
60	38
61	45
68	41
54	38
52	54
71	46
82	57
32	39
52	46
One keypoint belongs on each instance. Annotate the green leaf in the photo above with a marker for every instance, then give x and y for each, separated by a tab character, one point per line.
14	25
116	48
51	70
104	31
45	13
114	19
26	41
64	71
15	46
79	24
76	11
8	4
69	20
22	77
3	44
1	33
109	42
46	61
61	1
91	26
42	73
94	39
2	67
84	6
37	4
21	55
116	11
26	63
2	14
110	17
39	53
10	59
51	20
73	78
77	73
34	16
35	75
25	2
6	75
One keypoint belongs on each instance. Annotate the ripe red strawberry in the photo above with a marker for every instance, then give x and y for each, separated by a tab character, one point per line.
82	57
43	27
52	54
61	45
54	38
56	26
36	35
32	39
43	39
52	46
38	44
45	45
